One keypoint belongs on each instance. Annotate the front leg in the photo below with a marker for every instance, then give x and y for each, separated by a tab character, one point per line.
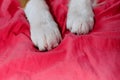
44	31
80	18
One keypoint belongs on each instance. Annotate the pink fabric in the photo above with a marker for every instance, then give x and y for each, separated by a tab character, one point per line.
94	56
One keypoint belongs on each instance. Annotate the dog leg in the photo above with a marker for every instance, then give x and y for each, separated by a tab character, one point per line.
44	31
80	18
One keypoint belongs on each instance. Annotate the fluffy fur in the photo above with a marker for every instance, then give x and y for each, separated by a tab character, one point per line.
44	30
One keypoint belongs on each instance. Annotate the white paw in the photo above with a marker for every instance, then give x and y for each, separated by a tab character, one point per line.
44	31
80	21
45	35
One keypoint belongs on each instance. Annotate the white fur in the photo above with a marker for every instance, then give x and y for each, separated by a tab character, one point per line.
44	32
80	16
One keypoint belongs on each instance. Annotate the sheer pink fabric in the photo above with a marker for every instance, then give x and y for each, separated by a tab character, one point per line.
94	56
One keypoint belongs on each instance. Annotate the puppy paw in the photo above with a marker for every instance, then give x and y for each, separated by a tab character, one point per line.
45	35
44	31
80	21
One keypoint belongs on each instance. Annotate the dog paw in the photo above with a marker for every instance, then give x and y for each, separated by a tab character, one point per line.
45	35
80	21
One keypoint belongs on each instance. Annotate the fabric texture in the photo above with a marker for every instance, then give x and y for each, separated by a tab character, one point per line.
94	56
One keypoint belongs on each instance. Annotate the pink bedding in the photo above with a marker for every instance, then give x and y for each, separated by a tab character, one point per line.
94	56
